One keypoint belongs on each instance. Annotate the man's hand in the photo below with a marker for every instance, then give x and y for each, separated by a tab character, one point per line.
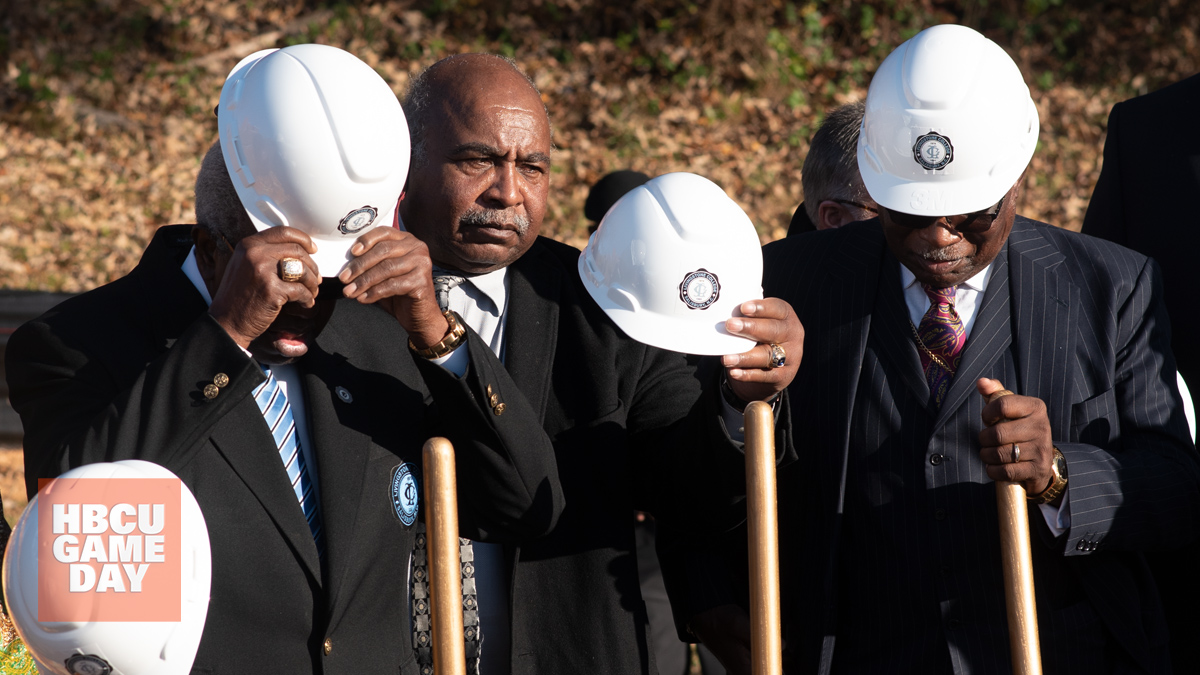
1016	421
251	293
393	268
767	321
725	630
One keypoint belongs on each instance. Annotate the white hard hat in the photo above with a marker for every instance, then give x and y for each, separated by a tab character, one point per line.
949	125
315	139
96	647
671	261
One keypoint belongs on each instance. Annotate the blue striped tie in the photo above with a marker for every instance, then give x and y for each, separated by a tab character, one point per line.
278	414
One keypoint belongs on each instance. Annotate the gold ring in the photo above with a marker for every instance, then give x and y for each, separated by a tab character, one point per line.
778	356
291	270
1016	454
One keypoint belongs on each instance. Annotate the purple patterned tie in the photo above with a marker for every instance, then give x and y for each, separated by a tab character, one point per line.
942	335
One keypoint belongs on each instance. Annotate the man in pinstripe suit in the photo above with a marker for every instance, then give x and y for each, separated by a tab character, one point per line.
891	556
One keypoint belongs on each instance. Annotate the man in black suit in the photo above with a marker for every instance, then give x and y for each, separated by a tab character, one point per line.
629	424
165	365
1136	204
891	557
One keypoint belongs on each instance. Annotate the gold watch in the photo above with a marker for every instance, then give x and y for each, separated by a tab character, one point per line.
1059	467
455	336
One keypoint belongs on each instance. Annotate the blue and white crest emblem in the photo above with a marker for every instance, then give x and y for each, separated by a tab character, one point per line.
933	151
699	289
358	220
404	493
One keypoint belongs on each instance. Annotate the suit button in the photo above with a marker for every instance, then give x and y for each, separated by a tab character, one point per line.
211	391
940	514
935	459
221	380
328	646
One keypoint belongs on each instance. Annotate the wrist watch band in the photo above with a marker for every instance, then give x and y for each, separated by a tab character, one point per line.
736	401
455	336
1059	467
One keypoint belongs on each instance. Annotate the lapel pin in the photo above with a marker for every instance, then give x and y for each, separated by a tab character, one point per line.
344	394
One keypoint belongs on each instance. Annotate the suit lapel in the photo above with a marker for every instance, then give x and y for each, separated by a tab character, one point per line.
853	279
1046	310
244	441
990	335
532	324
895	331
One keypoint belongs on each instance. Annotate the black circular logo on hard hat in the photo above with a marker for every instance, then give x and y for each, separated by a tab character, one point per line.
933	151
87	664
699	289
358	220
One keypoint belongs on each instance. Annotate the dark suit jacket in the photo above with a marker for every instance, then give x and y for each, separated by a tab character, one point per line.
631	430
1074	321
117	373
1141	201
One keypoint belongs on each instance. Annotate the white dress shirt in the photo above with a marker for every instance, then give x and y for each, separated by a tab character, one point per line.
967	298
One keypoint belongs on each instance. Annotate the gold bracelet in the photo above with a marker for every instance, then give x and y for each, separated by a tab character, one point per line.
455	336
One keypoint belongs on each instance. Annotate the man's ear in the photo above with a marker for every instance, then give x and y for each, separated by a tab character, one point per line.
831	214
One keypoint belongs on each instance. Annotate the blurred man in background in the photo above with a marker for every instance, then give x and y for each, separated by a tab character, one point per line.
1136	204
833	189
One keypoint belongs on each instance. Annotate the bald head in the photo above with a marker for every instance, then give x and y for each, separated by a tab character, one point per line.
446	87
481	162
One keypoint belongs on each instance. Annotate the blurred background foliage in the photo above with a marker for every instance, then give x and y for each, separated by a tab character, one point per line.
106	106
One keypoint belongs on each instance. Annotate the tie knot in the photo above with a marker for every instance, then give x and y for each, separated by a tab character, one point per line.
442	283
940	295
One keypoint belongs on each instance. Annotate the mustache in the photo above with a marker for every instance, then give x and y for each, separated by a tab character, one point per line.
482	217
940	255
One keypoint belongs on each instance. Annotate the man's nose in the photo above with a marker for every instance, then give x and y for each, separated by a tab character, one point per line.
505	189
940	234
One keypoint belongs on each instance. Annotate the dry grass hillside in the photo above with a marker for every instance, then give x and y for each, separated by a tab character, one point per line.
105	106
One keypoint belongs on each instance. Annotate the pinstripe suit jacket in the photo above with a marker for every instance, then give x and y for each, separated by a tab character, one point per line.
1074	321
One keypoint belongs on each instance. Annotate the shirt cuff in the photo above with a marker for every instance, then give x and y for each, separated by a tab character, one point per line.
456	361
1058	518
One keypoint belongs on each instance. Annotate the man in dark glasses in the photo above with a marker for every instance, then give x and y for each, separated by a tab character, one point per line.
888	520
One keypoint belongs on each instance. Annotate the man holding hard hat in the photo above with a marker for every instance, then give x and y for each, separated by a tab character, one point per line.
888	520
630	426
295	420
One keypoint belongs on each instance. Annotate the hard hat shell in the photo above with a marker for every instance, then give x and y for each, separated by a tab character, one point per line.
949	125
117	647
315	139
671	261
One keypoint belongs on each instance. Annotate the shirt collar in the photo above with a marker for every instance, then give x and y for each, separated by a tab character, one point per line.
977	283
490	284
192	270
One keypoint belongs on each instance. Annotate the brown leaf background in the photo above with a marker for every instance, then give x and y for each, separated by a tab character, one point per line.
106	106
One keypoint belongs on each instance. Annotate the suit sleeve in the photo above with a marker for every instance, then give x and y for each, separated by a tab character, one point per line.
1105	217
78	407
508	485
1133	472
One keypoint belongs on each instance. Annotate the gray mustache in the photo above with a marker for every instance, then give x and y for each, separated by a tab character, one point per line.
939	255
493	217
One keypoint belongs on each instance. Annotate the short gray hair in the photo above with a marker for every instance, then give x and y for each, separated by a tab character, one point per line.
417	99
831	167
218	208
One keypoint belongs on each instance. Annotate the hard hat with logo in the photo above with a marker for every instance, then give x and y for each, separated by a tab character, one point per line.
671	261
315	139
949	125
96	647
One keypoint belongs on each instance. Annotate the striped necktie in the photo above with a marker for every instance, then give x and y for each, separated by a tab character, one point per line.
422	627
277	412
941	337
